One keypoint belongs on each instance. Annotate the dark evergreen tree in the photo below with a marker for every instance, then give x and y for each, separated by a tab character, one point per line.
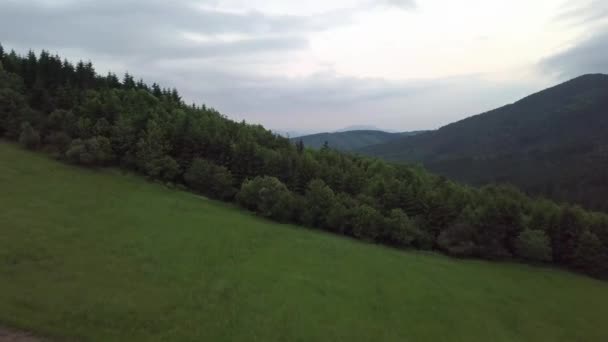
128	82
300	146
156	91
112	81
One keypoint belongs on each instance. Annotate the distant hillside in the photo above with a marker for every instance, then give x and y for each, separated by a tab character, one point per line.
362	128
350	140
292	133
553	143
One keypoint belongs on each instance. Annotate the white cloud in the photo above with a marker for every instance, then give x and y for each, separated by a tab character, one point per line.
321	64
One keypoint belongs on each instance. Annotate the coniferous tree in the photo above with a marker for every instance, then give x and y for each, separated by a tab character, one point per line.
128	82
156	91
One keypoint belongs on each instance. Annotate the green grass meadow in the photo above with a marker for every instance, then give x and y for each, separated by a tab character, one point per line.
97	255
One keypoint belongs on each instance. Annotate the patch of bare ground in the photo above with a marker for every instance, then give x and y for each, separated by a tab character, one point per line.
12	335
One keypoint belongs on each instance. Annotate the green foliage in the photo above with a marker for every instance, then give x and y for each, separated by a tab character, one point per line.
164	167
100	121
367	223
210	179
268	197
499	221
458	240
400	229
566	233
590	255
90	152
550	143
29	137
77	153
341	215
534	245
59	140
319	200
59	120
12	104
151	154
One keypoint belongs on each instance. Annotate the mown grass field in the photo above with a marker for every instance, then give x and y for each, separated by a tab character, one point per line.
101	256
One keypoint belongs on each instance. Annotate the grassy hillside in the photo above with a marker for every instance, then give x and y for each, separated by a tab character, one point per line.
350	140
552	143
100	256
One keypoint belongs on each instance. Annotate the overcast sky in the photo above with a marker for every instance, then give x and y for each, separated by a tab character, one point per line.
319	65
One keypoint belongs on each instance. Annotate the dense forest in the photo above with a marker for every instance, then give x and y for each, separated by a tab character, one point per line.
77	115
552	143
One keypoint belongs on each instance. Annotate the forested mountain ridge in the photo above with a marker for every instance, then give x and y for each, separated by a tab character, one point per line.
87	119
553	143
349	140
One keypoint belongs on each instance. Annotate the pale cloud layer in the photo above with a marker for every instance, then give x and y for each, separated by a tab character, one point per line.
322	65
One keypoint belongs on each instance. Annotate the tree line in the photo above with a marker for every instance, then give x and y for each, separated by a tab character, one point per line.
81	117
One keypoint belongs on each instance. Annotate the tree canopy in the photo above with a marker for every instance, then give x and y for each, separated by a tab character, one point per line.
94	120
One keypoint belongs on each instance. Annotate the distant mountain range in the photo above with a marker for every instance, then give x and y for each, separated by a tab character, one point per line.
291	133
363	128
553	143
350	140
300	133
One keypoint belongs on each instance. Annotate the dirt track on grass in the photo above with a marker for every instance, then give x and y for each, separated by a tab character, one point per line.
12	335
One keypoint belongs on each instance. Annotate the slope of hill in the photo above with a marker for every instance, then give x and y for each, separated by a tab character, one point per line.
96	255
98	121
553	143
350	140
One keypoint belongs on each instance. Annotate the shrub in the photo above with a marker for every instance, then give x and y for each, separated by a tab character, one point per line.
93	151
367	223
58	120
29	137
210	179
166	168
400	230
268	197
59	140
341	215
163	167
458	240
591	256
319	201
533	245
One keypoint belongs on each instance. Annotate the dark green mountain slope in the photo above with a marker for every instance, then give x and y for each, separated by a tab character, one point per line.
553	143
350	140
